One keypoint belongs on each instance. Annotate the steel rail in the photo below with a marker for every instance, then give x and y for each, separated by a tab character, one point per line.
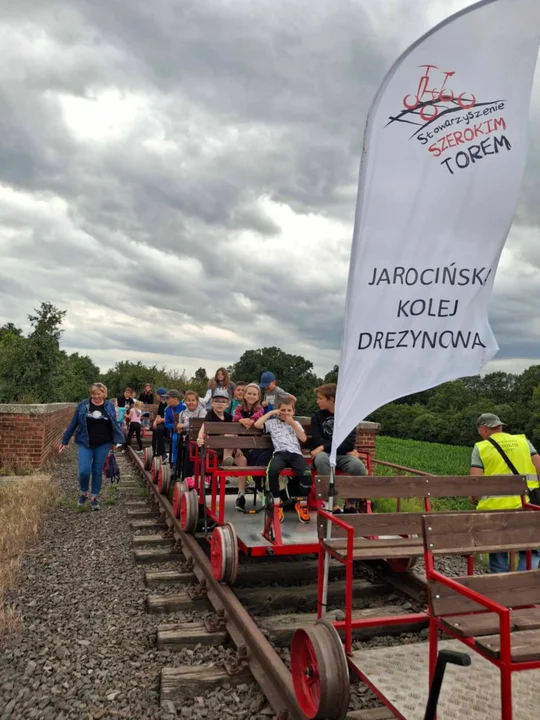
270	672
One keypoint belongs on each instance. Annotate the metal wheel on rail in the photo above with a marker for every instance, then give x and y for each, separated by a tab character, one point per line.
320	672
224	554
154	468
189	511
400	565
147	458
179	489
164	478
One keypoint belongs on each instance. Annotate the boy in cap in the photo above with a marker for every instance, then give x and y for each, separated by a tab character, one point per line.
273	394
174	407
218	413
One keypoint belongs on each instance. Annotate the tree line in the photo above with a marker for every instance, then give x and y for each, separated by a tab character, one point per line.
34	368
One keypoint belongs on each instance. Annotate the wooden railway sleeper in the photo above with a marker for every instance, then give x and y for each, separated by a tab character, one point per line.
186	566
216	622
198	592
239	663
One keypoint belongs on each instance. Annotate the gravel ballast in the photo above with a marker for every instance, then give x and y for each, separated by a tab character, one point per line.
86	646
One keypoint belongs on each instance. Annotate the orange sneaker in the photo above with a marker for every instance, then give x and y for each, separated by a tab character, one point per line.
302	512
280	513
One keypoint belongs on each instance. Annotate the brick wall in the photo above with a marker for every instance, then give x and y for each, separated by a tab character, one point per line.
30	434
366	433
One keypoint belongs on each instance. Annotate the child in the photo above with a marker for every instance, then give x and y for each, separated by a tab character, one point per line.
246	413
272	393
174	407
237	398
217	413
287	434
194	409
134	419
322	429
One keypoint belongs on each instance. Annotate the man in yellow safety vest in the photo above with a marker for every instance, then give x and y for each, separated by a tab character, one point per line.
500	453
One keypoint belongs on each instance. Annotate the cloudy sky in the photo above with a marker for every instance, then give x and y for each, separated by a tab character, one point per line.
180	175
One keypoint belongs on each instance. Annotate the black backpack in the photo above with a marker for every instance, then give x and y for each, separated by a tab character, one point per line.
111	469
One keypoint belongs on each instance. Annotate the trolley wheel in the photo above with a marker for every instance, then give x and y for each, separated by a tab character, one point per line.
189	511
164	479
147	458
320	672
154	469
399	565
224	554
179	489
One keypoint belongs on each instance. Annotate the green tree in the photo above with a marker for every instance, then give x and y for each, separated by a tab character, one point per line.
332	376
293	373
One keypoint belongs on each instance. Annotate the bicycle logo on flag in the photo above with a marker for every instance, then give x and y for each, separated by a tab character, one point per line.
427	101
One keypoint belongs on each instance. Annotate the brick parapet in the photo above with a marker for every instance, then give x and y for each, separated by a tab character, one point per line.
366	434
30	434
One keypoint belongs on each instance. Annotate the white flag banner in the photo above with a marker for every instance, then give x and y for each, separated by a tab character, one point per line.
444	152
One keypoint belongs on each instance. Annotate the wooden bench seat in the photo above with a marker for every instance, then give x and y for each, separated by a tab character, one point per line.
507	631
488	623
525	645
377	549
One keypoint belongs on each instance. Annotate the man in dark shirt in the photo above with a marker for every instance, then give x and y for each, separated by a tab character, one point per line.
159	430
147	397
322	429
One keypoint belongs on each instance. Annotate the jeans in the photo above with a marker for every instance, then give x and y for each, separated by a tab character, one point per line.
302	474
91	461
158	440
499	562
347	463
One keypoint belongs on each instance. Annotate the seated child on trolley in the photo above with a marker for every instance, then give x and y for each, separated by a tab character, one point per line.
217	413
287	434
246	413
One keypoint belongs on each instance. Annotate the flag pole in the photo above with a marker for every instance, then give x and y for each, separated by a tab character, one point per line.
330	509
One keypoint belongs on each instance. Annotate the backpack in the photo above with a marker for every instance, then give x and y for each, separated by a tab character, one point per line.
111	469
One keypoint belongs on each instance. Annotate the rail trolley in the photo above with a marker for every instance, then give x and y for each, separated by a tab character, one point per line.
208	505
467	609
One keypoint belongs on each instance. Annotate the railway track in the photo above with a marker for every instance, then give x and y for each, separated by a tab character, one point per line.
255	617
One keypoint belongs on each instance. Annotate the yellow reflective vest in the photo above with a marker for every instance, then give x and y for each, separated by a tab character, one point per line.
517	449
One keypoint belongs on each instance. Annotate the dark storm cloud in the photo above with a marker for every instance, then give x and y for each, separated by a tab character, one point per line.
172	219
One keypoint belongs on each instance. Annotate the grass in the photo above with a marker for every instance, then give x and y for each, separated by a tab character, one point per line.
12	465
111	494
22	503
428	457
143	493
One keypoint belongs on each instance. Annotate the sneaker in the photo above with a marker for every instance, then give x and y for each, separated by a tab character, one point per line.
82	500
350	509
94	504
240	503
140	452
302	512
280	513
228	462
164	458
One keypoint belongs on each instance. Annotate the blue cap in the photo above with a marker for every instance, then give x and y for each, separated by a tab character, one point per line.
266	378
161	391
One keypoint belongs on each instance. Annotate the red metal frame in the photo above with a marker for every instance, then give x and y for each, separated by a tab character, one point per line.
216	511
504	663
